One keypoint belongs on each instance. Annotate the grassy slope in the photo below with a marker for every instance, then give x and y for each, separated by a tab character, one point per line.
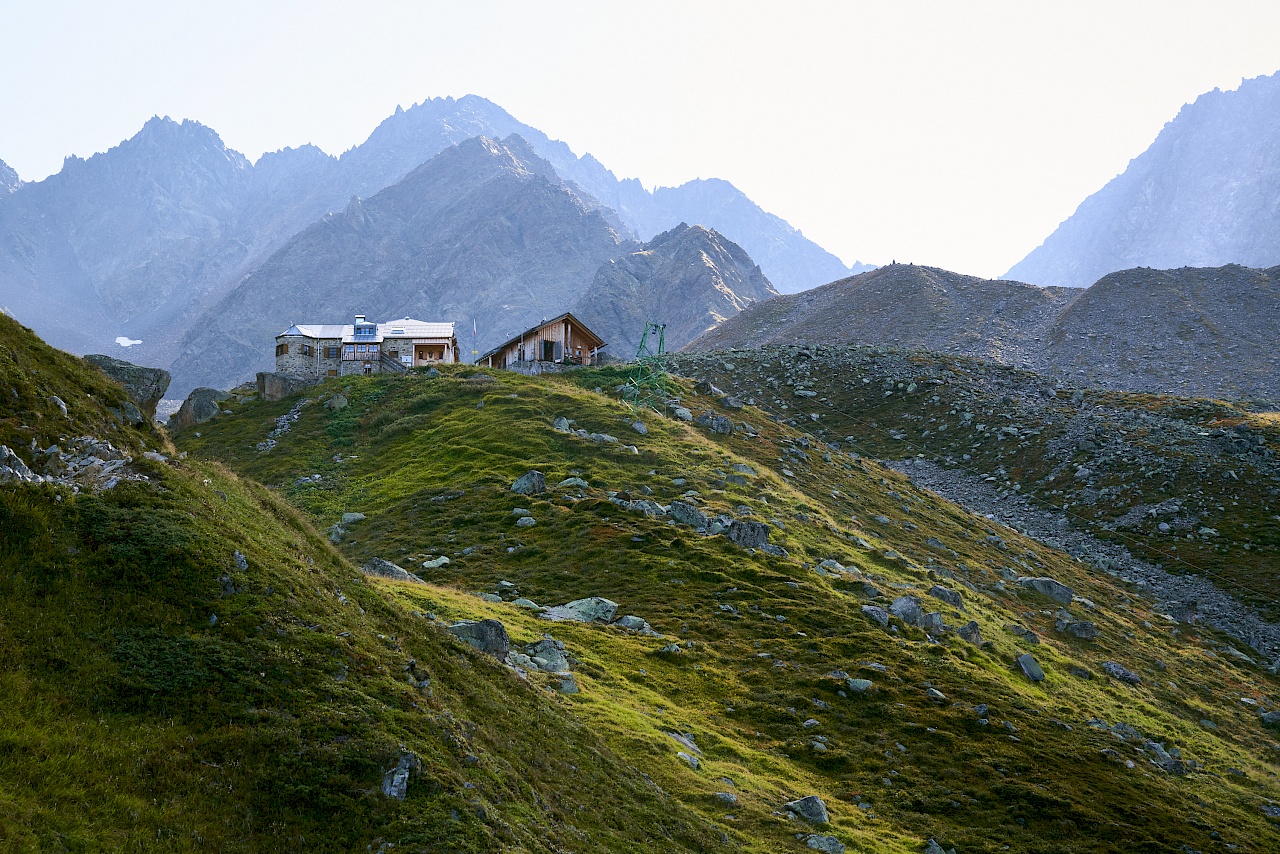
1238	496
430	467
130	720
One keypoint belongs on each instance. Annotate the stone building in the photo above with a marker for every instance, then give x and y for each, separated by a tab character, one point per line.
561	341
364	347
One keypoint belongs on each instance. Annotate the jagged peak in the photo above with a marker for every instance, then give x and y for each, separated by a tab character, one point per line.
9	180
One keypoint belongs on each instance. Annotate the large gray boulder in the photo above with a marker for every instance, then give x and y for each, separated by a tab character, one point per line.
810	808
907	609
200	406
1052	588
686	514
749	535
594	609
275	386
145	386
379	568
488	636
530	483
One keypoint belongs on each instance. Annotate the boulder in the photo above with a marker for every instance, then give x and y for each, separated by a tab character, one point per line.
687	514
1116	671
947	595
858	686
276	386
749	535
145	386
907	609
810	808
875	612
395	782
488	636
530	483
548	654
200	406
593	609
380	568
337	403
970	632
1055	590
824	843
1030	667
14	470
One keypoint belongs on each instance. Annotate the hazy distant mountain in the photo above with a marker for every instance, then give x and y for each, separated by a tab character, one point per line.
1199	332
137	243
8	178
484	230
689	278
1206	193
410	137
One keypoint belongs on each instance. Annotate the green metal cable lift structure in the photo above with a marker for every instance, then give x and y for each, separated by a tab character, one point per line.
648	382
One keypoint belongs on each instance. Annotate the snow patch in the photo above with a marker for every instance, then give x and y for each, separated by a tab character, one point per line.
125	341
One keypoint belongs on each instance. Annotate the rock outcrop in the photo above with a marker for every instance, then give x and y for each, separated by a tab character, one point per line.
146	386
200	406
277	386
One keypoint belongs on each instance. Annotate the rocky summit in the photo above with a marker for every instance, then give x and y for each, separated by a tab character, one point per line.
688	278
1196	332
1202	195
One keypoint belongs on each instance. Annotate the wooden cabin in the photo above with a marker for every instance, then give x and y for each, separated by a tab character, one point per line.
563	341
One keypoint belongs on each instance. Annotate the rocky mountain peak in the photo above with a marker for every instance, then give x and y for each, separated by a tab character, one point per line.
1202	195
691	278
9	180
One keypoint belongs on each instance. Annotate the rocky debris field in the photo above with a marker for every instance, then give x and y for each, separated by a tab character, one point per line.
1187	486
1186	598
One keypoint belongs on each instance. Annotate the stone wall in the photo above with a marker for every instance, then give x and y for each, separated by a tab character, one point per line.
312	365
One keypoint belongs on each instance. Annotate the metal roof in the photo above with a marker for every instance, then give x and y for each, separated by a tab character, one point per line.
405	327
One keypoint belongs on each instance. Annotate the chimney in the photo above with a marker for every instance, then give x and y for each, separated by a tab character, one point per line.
359	319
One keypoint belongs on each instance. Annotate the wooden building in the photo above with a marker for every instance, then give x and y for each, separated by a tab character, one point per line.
563	340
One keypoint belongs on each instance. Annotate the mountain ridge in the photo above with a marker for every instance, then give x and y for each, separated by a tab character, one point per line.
1192	331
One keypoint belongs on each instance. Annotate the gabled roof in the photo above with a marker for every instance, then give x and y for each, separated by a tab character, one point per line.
568	315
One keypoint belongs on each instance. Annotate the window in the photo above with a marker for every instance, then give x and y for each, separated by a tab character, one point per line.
350	348
333	372
282	349
306	349
361	348
331	352
373	348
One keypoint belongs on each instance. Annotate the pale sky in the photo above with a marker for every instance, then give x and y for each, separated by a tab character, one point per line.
957	134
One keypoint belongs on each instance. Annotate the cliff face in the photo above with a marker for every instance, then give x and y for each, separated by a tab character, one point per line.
485	230
689	278
1204	194
1205	332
